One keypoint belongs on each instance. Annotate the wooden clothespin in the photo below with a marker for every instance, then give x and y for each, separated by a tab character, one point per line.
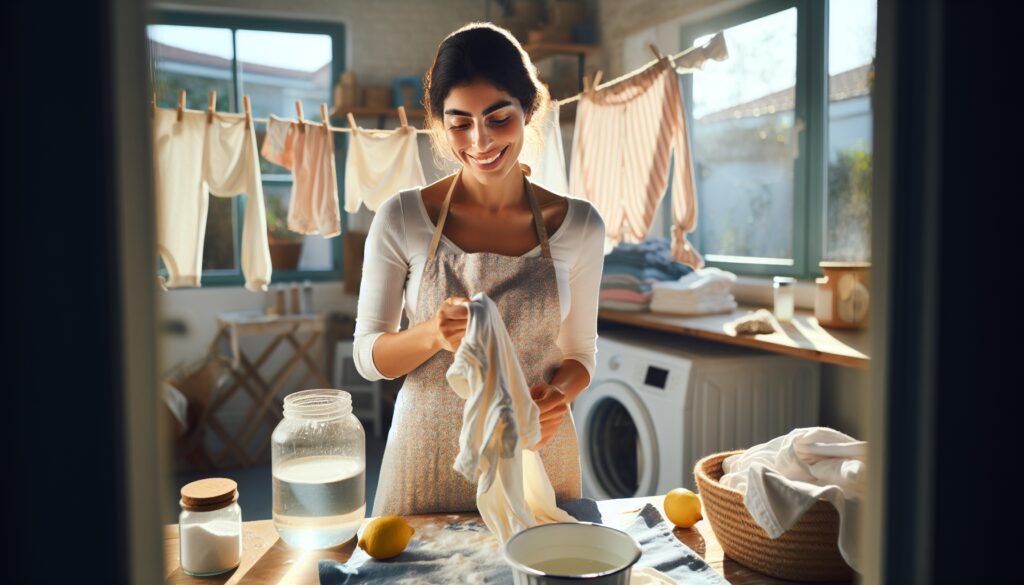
594	84
655	51
302	121
586	85
248	112
402	118
351	120
325	117
212	107
181	105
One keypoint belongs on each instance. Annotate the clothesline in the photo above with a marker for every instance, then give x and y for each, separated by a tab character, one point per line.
694	59
324	116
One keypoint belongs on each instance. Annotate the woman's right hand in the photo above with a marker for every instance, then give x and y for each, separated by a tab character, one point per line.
451	319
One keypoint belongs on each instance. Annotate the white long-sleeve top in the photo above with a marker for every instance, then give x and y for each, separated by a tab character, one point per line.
396	252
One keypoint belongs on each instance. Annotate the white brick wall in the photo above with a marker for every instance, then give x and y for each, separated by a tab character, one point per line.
386	39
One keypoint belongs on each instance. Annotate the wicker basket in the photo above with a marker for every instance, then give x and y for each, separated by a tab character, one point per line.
806	552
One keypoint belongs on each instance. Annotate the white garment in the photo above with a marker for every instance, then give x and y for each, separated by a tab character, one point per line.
193	159
380	164
499	421
547	159
783	478
703	291
396	250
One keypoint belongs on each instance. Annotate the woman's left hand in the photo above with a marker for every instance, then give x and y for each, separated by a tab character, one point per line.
553	408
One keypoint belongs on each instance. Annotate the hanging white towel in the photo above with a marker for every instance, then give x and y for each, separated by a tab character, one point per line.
783	478
277	142
500	422
192	159
379	165
547	159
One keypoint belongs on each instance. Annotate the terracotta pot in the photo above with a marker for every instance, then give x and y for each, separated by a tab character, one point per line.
284	254
841	298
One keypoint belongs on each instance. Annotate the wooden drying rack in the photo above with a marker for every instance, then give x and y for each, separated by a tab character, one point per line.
325	118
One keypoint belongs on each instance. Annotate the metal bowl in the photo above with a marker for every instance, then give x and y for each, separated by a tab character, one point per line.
571	552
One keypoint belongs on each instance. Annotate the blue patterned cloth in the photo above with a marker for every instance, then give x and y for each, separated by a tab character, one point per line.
661	550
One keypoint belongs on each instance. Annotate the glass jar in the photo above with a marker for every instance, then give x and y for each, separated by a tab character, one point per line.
210	527
318	462
784	302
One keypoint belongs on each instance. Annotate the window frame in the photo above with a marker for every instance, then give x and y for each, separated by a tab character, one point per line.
336	30
810	172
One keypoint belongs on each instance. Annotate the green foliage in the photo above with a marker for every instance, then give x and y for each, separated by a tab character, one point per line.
277	220
849	206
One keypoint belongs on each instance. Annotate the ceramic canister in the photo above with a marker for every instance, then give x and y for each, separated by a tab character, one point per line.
841	297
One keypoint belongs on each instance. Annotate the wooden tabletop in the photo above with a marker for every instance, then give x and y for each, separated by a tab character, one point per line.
267	559
801	337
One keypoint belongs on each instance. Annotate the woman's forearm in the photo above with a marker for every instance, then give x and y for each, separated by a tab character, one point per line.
397	354
572	378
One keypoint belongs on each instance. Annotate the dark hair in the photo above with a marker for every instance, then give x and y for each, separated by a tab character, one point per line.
482	51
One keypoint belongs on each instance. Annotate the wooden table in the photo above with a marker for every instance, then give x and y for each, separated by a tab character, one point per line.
264	408
801	337
267	559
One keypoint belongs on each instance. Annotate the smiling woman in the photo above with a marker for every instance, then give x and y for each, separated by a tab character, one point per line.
484	229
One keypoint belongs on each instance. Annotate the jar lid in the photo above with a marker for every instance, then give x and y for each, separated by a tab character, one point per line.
784	281
207	495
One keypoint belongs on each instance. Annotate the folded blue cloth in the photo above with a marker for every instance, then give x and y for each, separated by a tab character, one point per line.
661	550
649	254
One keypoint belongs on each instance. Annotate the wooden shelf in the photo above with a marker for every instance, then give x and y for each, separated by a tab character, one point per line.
802	337
542	50
340	112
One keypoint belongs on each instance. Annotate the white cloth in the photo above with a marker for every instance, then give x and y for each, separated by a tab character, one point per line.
193	159
783	478
547	159
276	142
499	422
703	291
396	251
380	164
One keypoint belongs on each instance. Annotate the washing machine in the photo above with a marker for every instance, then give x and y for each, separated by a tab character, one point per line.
659	402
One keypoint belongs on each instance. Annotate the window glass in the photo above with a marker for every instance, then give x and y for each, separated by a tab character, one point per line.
851	54
744	143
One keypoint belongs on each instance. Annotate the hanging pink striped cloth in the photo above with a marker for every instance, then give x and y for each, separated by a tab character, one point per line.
624	137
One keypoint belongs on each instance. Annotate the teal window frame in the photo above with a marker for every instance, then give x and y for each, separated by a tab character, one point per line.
336	30
810	173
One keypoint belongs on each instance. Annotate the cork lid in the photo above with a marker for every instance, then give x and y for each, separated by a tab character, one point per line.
206	495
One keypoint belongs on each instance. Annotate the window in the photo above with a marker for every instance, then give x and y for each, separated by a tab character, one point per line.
275	63
781	136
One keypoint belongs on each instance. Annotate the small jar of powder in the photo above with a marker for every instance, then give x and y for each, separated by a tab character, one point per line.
210	527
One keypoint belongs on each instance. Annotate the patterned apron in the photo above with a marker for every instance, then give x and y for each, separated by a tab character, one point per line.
416	475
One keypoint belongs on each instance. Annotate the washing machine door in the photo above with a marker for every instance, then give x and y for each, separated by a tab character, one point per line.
618	445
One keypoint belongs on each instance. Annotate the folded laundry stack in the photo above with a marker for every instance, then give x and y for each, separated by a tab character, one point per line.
631	270
703	291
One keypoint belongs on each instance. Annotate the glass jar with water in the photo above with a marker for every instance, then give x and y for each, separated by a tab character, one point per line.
318	458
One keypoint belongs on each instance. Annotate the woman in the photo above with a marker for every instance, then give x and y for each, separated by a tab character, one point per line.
484	229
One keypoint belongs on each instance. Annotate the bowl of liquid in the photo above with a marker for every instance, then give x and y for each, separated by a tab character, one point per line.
571	552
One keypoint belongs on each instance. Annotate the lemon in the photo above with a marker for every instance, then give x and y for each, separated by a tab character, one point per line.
386	537
682	507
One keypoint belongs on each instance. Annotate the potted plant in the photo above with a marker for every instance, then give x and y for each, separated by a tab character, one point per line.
285	245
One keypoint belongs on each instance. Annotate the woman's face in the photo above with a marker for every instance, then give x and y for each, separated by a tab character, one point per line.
485	130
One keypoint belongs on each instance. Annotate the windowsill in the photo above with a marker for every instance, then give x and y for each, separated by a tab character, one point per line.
758	291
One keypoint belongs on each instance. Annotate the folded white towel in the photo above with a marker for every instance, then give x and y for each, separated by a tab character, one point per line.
722	304
783	478
700	278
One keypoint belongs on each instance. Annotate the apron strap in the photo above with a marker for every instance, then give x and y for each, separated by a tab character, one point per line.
434	241
538	218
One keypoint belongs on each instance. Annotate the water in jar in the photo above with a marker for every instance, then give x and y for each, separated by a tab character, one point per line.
320	501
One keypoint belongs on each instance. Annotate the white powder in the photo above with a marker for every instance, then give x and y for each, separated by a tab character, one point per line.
211	547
